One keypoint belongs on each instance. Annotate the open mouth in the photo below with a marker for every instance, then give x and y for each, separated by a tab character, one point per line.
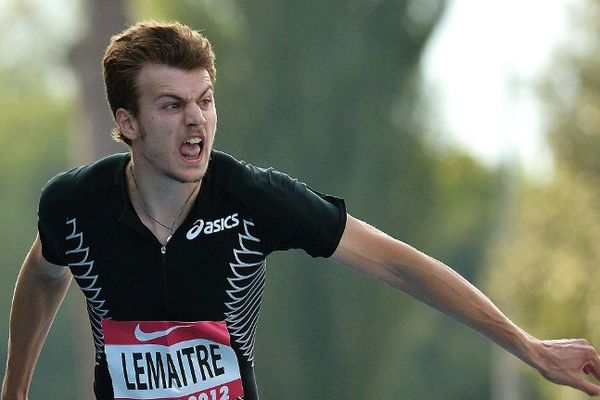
191	149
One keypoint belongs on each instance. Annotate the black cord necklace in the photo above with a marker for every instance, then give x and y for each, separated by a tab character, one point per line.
171	228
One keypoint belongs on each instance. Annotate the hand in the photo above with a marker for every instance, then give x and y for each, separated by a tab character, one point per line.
567	361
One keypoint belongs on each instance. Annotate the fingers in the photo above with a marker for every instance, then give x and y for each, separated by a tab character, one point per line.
589	388
590	367
568	361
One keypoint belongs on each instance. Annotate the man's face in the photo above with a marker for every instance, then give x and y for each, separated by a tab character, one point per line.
176	123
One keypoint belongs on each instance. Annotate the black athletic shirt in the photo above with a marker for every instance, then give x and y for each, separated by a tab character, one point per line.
213	267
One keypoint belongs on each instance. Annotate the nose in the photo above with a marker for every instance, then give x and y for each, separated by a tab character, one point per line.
194	115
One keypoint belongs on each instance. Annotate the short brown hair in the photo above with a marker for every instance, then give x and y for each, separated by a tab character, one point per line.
147	42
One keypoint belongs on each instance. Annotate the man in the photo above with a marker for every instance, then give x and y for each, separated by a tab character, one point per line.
168	244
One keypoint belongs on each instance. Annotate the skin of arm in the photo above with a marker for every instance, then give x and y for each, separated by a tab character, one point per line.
370	251
39	291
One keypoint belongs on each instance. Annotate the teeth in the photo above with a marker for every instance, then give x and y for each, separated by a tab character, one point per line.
194	141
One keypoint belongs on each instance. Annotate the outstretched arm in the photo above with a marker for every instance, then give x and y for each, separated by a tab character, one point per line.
41	287
371	251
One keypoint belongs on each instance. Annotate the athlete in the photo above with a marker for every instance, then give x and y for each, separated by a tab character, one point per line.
168	244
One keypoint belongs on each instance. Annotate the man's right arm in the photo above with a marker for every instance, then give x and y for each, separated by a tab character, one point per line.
40	289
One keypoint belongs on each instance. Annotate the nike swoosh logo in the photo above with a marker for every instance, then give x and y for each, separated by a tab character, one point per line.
142	336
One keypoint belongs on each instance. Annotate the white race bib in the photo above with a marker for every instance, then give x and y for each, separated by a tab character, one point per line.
162	360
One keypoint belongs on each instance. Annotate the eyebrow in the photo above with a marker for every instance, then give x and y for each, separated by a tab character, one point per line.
179	98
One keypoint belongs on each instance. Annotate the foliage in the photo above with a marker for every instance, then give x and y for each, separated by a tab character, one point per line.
545	269
33	143
330	93
35	113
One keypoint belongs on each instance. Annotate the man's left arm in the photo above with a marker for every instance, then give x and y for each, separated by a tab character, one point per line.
368	250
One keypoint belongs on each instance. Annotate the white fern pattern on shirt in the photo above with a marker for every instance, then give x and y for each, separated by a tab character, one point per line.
246	289
83	271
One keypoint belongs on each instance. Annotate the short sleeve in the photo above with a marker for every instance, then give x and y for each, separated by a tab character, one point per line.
294	216
51	225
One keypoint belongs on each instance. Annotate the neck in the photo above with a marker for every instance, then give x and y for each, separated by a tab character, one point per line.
161	204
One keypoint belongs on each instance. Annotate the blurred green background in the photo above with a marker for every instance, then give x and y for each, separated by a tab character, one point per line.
331	92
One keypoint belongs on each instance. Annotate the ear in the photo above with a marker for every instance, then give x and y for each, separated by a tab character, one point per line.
127	124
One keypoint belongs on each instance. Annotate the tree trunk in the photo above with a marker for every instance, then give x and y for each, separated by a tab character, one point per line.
91	140
91	137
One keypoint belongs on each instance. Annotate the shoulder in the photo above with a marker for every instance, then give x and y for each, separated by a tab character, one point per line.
74	185
288	212
245	179
267	191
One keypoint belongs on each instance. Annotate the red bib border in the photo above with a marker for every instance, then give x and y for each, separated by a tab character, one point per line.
164	360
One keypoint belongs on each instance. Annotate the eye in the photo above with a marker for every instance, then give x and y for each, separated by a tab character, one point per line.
206	101
172	106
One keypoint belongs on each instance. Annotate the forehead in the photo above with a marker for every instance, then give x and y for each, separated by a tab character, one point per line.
155	80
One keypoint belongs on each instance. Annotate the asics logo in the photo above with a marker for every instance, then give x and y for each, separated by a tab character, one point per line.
142	336
209	227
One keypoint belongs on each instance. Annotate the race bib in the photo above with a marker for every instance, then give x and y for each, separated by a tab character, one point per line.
162	360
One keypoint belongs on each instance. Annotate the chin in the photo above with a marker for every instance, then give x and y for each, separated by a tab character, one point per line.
187	178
